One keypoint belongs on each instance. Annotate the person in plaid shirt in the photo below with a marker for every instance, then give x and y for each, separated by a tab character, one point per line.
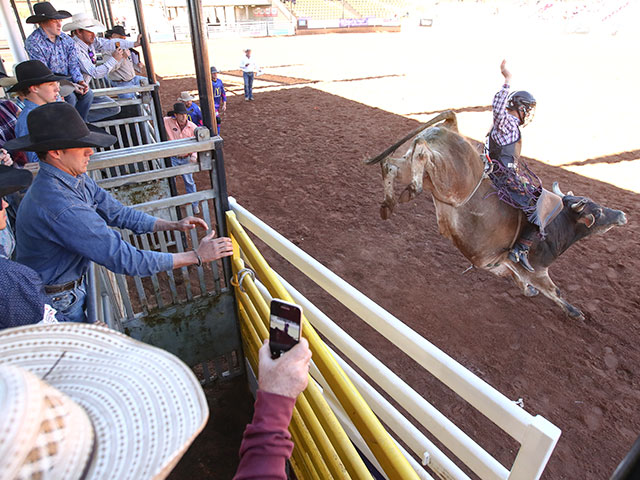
510	111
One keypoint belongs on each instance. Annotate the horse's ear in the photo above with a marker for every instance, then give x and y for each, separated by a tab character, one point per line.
588	220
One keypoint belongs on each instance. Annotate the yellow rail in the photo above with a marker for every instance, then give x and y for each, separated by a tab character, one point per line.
349	463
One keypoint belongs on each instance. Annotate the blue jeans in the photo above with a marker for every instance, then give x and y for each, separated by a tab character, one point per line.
102	113
71	303
81	102
248	84
189	183
134	82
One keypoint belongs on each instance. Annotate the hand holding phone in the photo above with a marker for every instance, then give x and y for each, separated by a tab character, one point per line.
287	376
285	326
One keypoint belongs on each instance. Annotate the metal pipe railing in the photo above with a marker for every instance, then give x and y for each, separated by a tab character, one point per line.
536	435
378	440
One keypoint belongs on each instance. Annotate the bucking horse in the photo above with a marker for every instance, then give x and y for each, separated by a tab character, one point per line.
471	214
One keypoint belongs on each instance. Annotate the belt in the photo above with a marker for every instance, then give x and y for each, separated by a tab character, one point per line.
64	287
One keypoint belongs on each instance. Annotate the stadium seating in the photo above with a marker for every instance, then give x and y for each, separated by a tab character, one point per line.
321	9
336	9
379	8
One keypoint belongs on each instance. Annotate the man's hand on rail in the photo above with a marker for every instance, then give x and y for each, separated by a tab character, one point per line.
189	223
212	248
184	225
209	250
287	375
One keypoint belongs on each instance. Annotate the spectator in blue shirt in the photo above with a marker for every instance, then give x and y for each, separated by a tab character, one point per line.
193	110
37	85
57	51
219	96
63	222
23	300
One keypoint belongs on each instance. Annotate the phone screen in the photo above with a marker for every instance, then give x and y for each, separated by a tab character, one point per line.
284	327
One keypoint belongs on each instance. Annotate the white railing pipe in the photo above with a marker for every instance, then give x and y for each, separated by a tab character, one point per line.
494	405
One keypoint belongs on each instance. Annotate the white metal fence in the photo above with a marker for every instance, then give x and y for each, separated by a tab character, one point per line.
536	435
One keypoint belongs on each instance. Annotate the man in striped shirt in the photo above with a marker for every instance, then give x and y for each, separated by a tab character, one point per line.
510	111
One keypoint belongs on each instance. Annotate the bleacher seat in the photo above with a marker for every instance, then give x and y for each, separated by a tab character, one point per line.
337	9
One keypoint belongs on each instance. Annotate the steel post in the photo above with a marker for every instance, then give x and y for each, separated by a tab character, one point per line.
201	59
15	33
205	92
109	13
151	75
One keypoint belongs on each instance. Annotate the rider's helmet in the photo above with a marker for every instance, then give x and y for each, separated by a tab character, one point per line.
523	103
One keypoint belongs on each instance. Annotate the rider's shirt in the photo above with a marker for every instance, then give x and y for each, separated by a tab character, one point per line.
506	127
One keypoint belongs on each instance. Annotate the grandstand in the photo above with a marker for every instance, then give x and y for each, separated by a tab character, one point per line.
347	9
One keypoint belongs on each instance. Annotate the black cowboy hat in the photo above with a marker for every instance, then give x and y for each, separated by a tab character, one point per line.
118	30
34	72
56	126
178	108
45	11
13	180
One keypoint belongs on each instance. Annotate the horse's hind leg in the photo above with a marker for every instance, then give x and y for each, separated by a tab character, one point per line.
540	280
527	289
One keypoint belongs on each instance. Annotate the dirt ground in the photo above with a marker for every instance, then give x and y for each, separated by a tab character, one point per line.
294	157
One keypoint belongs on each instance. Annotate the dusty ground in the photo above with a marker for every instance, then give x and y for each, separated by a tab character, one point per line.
294	158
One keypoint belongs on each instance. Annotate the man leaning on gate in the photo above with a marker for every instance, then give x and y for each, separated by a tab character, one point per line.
63	222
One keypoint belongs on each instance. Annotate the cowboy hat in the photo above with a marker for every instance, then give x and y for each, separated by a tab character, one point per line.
178	108
185	97
6	80
56	126
82	21
13	180
34	72
119	30
114	407
44	11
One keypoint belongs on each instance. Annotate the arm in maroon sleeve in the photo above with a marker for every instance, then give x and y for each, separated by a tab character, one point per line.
266	443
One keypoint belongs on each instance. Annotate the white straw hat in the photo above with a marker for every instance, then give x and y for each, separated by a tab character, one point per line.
82	21
185	97
145	405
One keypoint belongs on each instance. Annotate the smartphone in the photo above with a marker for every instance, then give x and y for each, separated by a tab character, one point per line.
117	45
285	326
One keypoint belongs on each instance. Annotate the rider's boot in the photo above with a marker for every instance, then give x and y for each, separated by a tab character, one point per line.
520	253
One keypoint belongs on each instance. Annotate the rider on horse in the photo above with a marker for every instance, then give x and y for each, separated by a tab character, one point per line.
514	182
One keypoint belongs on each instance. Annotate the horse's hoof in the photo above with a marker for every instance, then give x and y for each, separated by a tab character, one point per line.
385	213
531	291
406	195
575	314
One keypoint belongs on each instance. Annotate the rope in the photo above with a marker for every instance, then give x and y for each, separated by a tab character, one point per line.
240	276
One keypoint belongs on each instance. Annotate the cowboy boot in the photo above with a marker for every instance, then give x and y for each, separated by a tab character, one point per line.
520	254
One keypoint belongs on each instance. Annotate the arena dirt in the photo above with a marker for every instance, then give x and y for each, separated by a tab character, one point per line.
294	157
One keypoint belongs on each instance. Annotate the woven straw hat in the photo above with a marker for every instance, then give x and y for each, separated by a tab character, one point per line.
143	404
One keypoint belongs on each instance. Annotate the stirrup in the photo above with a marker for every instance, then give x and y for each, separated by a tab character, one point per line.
520	254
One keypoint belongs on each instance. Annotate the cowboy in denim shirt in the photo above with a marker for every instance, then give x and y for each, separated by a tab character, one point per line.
63	222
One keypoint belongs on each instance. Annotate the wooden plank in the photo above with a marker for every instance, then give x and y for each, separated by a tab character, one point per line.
124	291
164	203
143	177
194	243
213	265
142	296
154	277
172	281
185	271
